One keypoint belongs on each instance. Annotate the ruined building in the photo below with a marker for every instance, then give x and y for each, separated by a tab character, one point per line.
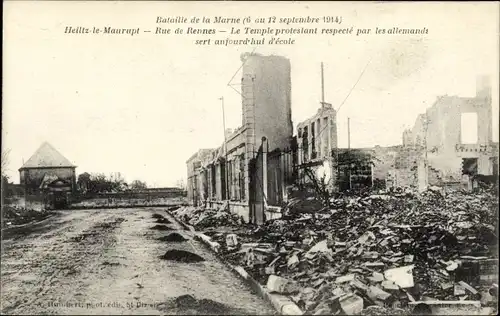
47	165
229	174
196	185
450	142
316	142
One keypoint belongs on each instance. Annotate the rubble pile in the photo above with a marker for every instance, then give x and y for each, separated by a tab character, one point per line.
201	218
376	254
386	250
14	215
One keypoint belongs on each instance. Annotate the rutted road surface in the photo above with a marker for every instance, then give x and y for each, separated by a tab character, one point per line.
110	262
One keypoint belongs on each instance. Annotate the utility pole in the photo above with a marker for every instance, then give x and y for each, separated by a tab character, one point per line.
225	148
349	150
426	168
348	133
224	124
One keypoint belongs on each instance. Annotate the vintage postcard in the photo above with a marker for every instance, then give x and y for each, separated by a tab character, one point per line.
246	158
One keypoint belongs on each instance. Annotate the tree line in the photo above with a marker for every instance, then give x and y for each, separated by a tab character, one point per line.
101	183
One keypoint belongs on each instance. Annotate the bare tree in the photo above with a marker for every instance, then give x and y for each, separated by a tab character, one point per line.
138	185
320	186
99	183
117	181
5	177
5	162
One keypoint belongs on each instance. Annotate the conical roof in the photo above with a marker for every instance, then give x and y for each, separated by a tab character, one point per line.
45	157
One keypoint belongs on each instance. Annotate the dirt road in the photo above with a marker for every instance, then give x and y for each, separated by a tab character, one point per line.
109	262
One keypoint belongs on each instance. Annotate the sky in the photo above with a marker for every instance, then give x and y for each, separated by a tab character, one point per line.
142	105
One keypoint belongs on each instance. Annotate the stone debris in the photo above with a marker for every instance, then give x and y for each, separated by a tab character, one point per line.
389	251
468	287
351	304
345	278
493	291
231	241
16	215
201	218
402	276
461	307
276	284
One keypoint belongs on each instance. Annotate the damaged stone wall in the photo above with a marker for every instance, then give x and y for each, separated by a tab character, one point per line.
266	90
380	167
317	136
372	254
439	133
266	105
354	168
197	178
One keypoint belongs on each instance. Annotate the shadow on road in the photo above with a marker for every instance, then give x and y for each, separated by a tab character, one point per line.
181	256
189	305
162	227
173	237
